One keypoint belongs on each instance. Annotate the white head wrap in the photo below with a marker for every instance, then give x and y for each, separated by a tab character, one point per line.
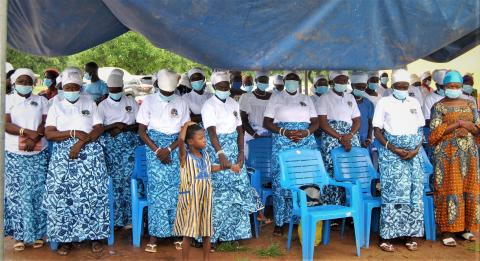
278	80
22	71
425	75
194	71
115	79
318	77
373	74
400	75
438	75
359	77
72	75
185	80
220	76
259	74
167	80
117	72
414	78
8	67
333	74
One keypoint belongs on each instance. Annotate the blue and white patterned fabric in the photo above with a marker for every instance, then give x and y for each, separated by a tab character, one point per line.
25	175
282	199
163	184
76	198
232	196
120	159
334	195
402	189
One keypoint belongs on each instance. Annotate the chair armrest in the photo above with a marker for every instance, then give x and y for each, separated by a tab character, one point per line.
299	199
351	188
134	187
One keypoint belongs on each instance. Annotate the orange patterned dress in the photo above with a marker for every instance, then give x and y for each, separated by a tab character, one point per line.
457	178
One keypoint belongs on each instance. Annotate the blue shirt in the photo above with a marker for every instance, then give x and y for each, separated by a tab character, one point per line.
96	89
366	114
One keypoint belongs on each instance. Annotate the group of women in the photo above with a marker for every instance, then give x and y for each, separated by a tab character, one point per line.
61	193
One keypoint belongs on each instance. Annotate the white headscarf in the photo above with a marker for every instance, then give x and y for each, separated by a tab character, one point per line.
167	80
22	71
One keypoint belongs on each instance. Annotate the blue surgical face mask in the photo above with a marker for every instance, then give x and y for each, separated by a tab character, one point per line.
60	92
384	80
441	92
115	96
236	85
248	88
468	89
87	76
71	96
453	93
373	86
166	98
198	85
47	82
340	87
401	95
321	89
23	89
358	93
291	86
222	95
262	86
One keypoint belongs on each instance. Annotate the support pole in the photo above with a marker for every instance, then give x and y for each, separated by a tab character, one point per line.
3	58
306	82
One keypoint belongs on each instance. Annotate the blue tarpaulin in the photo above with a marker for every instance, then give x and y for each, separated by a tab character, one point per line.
271	34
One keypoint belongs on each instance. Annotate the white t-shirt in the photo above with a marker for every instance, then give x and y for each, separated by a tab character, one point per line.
398	117
224	116
284	107
195	101
25	113
381	91
416	92
81	115
124	110
430	100
387	92
373	99
255	108
58	97
338	108
162	116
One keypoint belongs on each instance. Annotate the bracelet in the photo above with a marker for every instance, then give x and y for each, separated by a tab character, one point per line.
20	132
308	131
219	152
74	136
156	151
386	145
71	135
280	131
168	148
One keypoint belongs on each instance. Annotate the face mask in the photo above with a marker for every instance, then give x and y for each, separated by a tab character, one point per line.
222	95
373	86
340	87
262	86
441	92
401	95
23	89
115	96
71	96
453	94
384	80
236	85
275	90
358	93
321	89
248	88
198	85
60	92
468	89
291	86
87	76
47	82
166	98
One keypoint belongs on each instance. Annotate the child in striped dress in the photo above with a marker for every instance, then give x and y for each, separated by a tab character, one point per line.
194	209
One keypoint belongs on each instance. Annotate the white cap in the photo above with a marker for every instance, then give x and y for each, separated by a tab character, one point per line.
220	76
167	80
278	80
194	71
333	74
115	79
8	67
286	73
72	75
320	76
438	75
259	74
185	80
117	72
373	74
59	79
425	75
22	71
400	75
414	78
359	77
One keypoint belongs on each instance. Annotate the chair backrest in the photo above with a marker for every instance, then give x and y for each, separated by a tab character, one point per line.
354	165
260	157
140	168
301	167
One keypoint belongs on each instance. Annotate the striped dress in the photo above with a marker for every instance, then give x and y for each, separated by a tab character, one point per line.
194	209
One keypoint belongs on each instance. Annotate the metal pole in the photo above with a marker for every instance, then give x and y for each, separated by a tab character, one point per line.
306	82
3	58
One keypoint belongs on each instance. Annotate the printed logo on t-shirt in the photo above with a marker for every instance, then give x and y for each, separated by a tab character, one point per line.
303	104
413	111
349	104
174	113
411	94
235	113
34	103
86	113
128	108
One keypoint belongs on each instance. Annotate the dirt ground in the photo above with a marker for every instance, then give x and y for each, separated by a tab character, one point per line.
338	249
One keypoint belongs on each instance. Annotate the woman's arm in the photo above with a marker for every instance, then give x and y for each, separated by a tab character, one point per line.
162	153
181	145
97	130
246	124
196	117
379	136
212	133
326	127
14	129
240	144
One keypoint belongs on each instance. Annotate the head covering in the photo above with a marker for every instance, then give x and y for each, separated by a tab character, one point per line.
72	75
194	71
59	79
414	78
259	74
115	79
438	75
373	74
278	79
117	72
185	80
425	75
320	76
333	74
400	75
22	71
167	80
359	77
452	76
220	76
286	73
8	67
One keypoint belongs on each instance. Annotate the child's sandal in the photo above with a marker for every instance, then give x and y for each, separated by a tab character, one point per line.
412	246
151	248
387	247
19	246
469	236
178	245
38	243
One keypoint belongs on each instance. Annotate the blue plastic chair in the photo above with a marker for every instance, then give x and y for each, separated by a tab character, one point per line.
304	167
259	163
354	166
428	204
139	201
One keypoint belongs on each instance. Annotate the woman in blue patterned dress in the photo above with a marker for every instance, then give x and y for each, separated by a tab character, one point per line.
292	119
120	138
25	162
76	198
398	122
160	119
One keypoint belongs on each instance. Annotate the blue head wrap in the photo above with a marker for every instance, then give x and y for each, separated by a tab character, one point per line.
452	76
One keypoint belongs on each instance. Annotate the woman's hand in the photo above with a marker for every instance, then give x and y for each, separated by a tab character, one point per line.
400	152
164	155
83	136
224	162
470	126
41	130
346	141
75	150
33	135
29	145
240	158
236	168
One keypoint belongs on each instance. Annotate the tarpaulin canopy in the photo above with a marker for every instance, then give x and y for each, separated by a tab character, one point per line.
239	34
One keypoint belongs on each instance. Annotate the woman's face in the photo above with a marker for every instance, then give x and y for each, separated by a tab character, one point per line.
248	81
321	82
359	86
167	94
292	76
454	86
24	80
197	77
341	79
262	79
115	89
401	86
198	140
222	86
374	79
71	87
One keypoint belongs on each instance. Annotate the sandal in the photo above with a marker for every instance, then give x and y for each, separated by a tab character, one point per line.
212	248
412	245
449	241
151	248
97	247
278	231
64	249
38	243
387	247
469	236
178	245
19	246
264	221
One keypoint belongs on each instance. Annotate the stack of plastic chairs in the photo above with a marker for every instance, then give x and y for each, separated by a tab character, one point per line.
139	200
428	204
354	166
305	167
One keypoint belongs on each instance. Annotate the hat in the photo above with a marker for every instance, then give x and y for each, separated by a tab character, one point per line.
194	71
278	80
414	78
286	73
117	72
452	76
359	77
320	76
115	79
220	76
373	74
438	75
333	74
425	75
259	74
400	75
185	80
167	80
22	71
8	67
72	75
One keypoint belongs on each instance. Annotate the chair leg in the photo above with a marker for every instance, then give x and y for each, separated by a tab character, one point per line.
426	218
256	224
368	222
326	232
358	224
53	246
376	220
307	242
111	237
290	232
342	228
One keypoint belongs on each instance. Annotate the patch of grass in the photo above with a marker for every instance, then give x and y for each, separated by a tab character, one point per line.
474	247
242	259
273	250
230	247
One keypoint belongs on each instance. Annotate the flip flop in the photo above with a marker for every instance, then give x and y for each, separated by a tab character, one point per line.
469	236
64	249
97	247
178	245
387	247
412	246
151	248
19	246
38	243
450	242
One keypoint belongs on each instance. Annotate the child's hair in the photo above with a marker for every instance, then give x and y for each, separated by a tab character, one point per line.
191	131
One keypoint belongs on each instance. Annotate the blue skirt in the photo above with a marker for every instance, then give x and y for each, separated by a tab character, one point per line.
25	175
163	185
76	198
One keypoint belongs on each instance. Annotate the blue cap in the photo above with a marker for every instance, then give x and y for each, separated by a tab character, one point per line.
452	76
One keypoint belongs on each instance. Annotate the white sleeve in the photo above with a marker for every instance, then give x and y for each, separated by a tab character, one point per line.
321	106
244	103
311	106
427	106
143	116
208	115
379	115
420	118
186	113
355	110
96	119
271	108
44	104
135	107
100	111
238	118
51	116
